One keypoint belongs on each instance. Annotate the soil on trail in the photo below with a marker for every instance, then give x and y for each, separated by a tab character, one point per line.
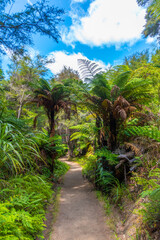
80	216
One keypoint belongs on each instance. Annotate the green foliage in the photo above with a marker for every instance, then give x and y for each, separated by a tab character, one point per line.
104	179
152	18
60	168
50	144
17	150
22	210
85	134
119	192
19	27
148	131
150	210
105	199
137	60
110	157
89	167
93	168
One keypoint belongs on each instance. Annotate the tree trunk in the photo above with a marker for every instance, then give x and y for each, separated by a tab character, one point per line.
20	106
98	125
104	141
113	133
52	133
52	124
35	122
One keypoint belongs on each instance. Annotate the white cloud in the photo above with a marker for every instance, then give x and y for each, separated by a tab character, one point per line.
63	58
107	23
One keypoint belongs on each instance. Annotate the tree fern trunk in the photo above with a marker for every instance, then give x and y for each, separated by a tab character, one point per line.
98	125
113	133
52	124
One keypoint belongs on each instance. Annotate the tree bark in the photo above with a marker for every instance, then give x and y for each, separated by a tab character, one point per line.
98	125
20	106
113	133
52	124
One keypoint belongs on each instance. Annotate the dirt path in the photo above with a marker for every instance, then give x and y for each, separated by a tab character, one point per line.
80	215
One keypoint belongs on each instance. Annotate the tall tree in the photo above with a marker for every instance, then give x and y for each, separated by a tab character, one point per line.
152	26
23	71
53	98
114	101
16	29
67	73
137	60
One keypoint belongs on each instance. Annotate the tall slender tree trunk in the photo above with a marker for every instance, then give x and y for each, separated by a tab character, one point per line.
68	134
113	133
52	124
104	141
98	125
35	121
52	133
20	106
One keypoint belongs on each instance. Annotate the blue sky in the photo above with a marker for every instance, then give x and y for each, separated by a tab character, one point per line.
101	30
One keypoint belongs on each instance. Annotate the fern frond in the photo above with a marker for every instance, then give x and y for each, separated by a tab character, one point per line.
148	131
88	69
135	149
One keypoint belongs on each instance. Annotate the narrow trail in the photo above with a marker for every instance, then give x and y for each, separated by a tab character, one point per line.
80	216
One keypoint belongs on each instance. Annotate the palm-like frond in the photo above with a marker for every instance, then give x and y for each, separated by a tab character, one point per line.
137	89
101	87
122	79
88	69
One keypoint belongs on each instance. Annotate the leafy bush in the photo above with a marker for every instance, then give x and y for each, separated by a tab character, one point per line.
104	179
118	192
109	157
149	131
89	167
22	207
60	168
19	224
17	150
50	144
93	169
151	193
151	212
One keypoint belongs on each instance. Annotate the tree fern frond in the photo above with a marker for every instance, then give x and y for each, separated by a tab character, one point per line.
135	149
122	79
88	69
148	131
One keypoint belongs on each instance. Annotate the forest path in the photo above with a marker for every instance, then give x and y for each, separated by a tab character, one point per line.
80	216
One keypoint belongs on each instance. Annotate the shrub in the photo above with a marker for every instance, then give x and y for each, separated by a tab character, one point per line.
60	168
22	207
151	193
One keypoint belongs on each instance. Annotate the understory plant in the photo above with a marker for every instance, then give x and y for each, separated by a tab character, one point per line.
17	150
150	210
22	213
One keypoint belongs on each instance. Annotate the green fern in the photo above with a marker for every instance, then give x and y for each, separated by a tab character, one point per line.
22	207
148	131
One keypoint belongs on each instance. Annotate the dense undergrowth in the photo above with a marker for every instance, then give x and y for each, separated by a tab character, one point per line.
27	179
23	202
138	200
